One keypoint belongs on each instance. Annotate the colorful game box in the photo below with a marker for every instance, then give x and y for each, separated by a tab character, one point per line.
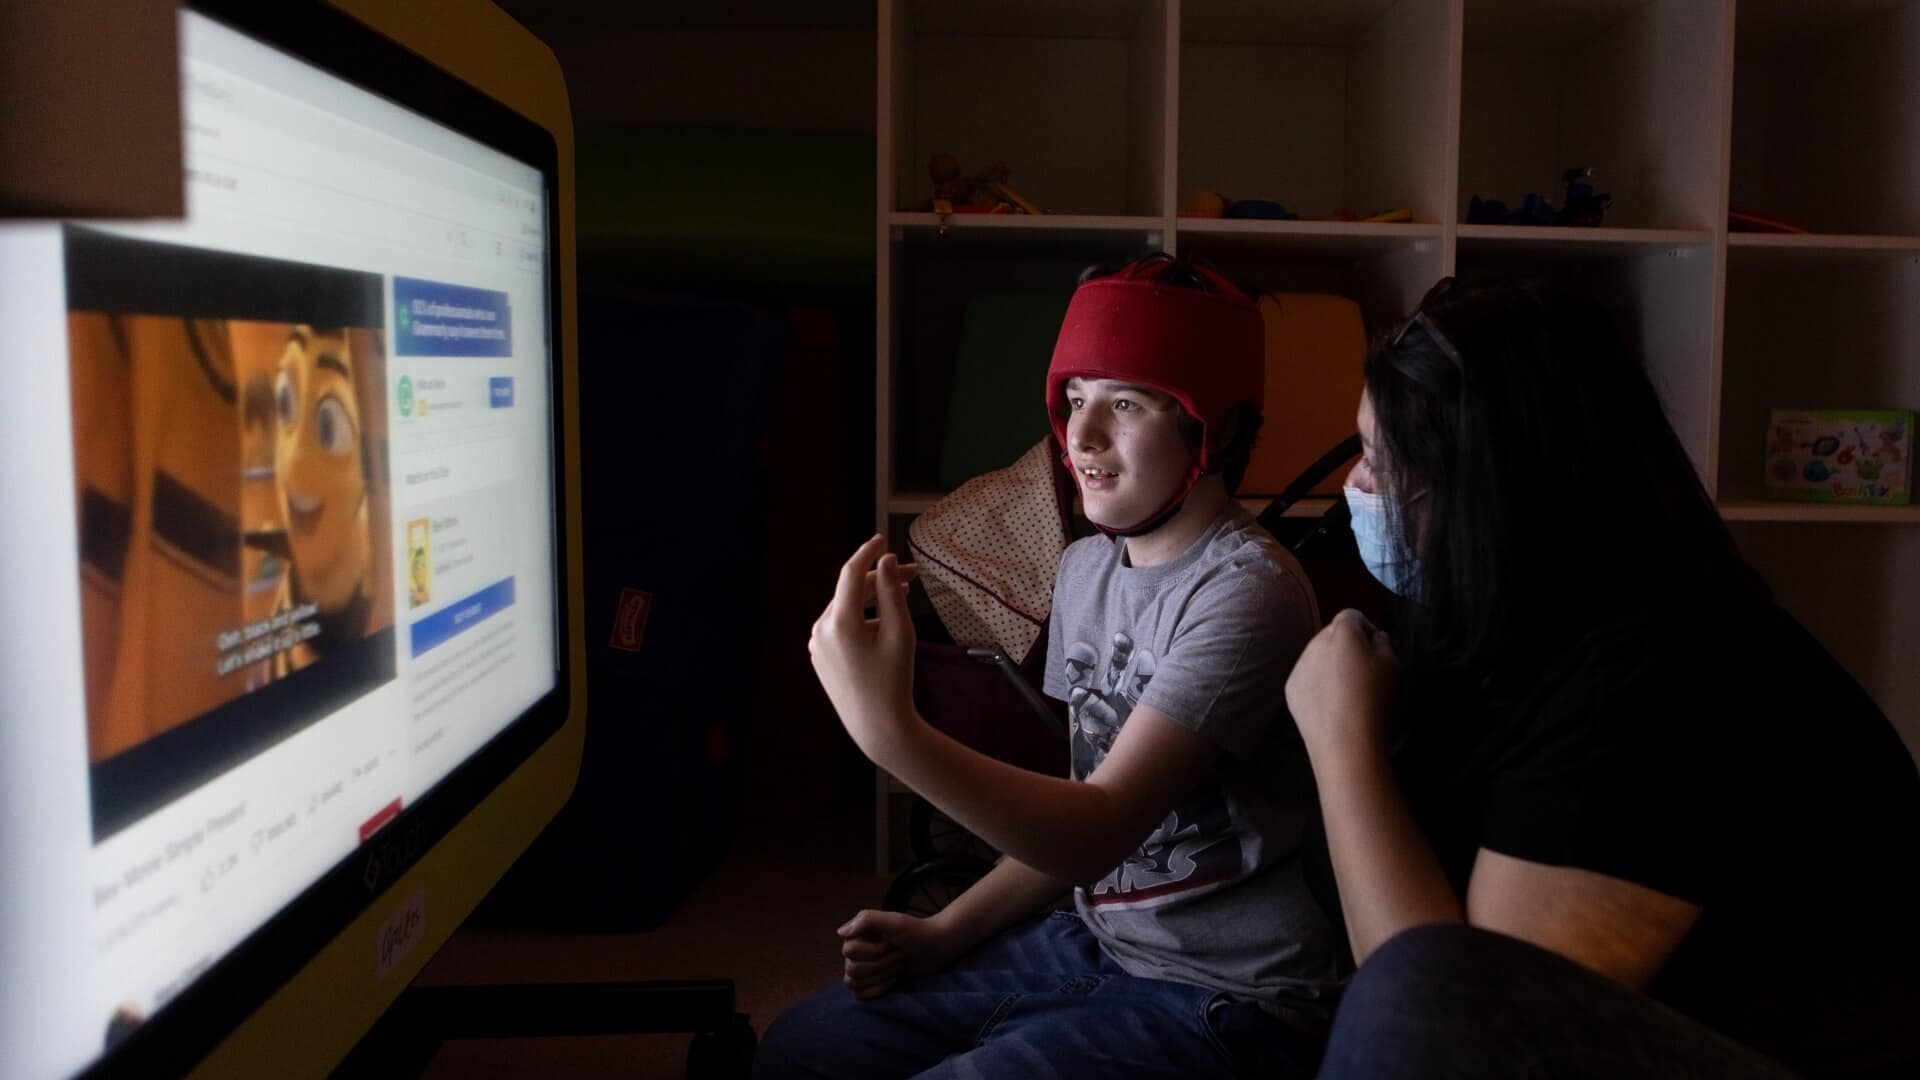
1840	456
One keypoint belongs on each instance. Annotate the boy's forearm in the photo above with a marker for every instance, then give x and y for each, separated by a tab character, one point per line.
1065	829
1011	892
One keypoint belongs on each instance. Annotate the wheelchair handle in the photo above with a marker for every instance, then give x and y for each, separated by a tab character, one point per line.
998	658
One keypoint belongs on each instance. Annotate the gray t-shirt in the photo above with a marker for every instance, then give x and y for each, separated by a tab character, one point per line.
1215	896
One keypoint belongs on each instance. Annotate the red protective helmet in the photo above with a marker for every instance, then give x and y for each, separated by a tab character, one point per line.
1206	348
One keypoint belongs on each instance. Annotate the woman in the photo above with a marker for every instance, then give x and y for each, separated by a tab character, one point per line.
1593	732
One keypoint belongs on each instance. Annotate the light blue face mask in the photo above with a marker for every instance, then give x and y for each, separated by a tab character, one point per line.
1382	548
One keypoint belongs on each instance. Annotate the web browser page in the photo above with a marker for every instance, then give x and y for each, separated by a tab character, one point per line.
280	554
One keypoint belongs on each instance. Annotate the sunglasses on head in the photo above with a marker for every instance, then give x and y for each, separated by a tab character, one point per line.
1426	323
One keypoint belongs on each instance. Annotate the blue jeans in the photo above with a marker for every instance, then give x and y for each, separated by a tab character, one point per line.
1445	1002
1039	1000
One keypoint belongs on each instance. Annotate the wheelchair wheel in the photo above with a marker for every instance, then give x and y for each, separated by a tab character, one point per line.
923	889
934	835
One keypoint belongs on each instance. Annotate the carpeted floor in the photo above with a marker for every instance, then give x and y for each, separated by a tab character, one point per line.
765	919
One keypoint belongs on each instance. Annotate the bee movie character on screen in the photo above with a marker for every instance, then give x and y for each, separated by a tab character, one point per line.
320	462
419	563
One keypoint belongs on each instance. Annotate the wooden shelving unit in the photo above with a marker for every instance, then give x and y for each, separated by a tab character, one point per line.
1113	112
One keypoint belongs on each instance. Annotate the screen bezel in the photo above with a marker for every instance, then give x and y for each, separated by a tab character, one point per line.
189	1026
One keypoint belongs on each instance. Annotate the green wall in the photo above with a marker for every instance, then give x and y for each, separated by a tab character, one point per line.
698	204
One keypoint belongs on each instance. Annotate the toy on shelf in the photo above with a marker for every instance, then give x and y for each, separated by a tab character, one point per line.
1582	208
1212	204
1746	219
1260	210
985	192
1839	456
1533	210
1585	207
1206	204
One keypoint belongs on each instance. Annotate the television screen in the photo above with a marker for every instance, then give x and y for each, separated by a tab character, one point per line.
278	557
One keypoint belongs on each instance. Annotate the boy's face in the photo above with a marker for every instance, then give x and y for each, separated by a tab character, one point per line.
1128	453
317	463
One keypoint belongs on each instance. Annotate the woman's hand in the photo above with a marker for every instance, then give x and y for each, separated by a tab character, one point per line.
1342	684
866	665
881	946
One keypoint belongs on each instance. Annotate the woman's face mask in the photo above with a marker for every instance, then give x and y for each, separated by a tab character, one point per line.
1382	547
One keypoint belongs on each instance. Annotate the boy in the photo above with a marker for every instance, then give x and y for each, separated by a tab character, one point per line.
1193	948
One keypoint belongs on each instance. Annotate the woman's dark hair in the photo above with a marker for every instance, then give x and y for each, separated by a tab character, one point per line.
1556	492
1244	424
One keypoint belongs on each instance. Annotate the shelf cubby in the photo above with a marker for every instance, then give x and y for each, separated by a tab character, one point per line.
1813	329
1662	298
1632	89
1070	95
1385	273
1318	106
1823	114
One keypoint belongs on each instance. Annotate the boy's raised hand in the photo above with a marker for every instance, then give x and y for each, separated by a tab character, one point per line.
866	665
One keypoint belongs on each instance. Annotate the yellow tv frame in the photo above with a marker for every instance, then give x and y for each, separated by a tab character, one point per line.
317	1016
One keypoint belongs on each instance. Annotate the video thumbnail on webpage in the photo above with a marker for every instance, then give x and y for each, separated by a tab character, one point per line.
235	521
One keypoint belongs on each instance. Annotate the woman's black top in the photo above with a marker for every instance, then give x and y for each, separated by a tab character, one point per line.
1716	753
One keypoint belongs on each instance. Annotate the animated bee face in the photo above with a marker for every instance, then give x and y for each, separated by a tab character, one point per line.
317	462
417	566
419	570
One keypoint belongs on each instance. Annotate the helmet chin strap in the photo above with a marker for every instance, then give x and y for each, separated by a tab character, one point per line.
1151	521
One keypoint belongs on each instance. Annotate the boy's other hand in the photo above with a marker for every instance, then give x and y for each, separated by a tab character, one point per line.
1342	684
881	946
866	665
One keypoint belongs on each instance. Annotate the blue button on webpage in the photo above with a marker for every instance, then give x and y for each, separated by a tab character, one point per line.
500	391
461	615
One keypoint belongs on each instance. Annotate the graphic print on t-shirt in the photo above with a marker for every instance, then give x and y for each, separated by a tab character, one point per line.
1196	846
